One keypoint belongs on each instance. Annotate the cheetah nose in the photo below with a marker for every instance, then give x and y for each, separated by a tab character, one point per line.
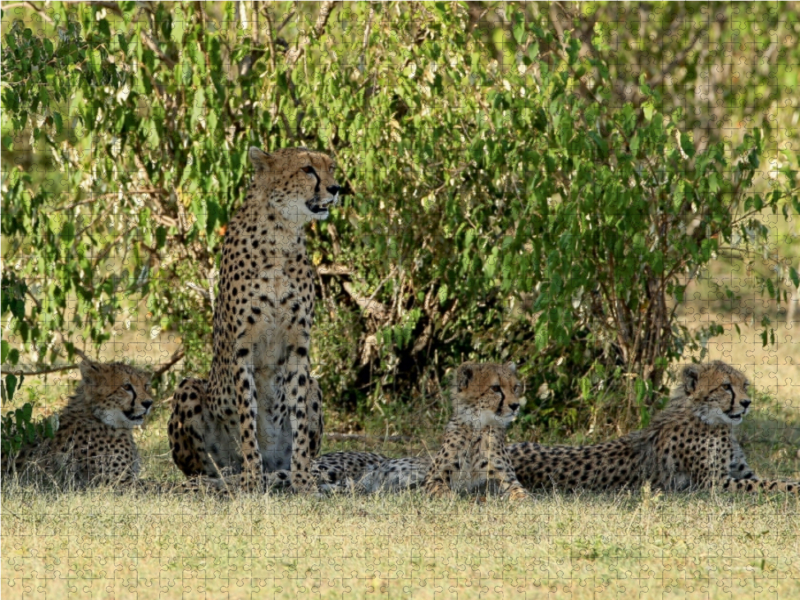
147	404
334	189
744	403
513	406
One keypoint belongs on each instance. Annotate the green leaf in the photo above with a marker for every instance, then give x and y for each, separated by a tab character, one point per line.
687	146
442	294
5	348
161	236
541	337
649	110
11	386
794	276
519	27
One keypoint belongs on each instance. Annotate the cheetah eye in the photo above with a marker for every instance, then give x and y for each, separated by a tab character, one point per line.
127	387
309	169
728	387
495	389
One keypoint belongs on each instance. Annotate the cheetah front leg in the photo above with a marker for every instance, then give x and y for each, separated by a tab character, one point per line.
718	462
252	477
439	480
495	465
297	396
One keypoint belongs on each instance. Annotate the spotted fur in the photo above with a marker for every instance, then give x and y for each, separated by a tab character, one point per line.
94	443
257	413
689	445
486	399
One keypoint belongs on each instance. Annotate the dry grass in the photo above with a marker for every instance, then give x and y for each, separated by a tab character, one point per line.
102	544
99	544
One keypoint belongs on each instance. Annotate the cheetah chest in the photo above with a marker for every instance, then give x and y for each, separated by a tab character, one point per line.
472	463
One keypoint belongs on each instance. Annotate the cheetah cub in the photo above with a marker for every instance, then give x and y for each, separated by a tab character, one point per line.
257	413
689	445
94	443
486	399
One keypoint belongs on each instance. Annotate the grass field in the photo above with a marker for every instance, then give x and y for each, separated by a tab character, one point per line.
101	544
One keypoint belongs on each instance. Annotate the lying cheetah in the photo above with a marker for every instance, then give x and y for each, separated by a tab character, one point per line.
486	399
255	411
94	443
367	472
691	444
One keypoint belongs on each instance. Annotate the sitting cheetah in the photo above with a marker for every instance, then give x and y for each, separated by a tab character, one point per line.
486	399
94	444
255	410
189	430
691	444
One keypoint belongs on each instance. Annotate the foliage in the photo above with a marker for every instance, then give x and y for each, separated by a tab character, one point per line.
18	429
501	208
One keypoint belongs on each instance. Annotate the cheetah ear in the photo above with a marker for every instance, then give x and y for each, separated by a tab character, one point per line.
463	376
259	158
89	369
691	374
512	366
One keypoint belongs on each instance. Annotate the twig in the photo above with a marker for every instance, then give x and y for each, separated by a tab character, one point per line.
679	58
45	371
33	7
319	28
333	269
378	310
150	43
270	39
176	356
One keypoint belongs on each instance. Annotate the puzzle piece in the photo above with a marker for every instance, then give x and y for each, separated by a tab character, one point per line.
125	136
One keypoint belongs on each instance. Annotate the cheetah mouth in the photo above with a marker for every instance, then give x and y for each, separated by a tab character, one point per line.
736	417
135	418
318	206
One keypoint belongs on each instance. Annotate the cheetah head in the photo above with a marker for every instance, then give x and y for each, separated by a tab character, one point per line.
298	182
117	394
718	391
487	394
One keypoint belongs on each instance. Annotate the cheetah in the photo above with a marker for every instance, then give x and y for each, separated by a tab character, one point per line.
253	414
689	445
93	444
189	429
486	399
368	472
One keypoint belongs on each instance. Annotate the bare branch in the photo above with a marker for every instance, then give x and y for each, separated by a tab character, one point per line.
270	39
679	58
150	43
18	372
319	28
176	356
333	270
368	305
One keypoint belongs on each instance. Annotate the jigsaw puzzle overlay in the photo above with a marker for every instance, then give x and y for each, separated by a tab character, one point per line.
400	300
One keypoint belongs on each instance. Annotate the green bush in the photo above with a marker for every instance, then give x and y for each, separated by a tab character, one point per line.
496	212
